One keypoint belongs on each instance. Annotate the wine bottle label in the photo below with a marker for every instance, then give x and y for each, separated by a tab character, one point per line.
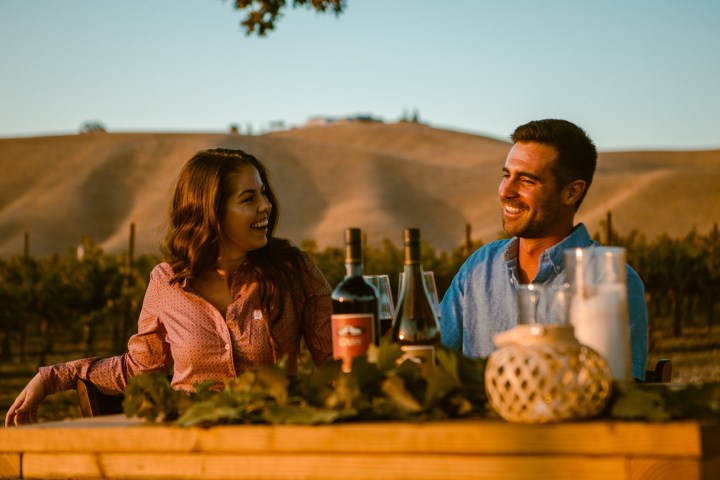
422	355
352	334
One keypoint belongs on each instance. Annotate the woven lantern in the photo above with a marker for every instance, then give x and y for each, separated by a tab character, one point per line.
540	373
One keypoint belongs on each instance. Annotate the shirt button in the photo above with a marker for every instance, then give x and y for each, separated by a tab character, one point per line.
227	346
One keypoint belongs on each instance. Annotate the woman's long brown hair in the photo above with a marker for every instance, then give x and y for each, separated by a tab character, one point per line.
192	241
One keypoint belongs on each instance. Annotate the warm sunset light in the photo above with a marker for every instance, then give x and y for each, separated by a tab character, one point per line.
359	239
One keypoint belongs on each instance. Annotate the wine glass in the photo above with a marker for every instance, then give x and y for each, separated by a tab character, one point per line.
529	296
548	304
386	308
429	278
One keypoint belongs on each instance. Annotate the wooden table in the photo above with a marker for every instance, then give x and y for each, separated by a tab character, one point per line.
116	447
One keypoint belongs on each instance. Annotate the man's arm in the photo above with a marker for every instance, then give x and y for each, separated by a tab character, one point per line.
451	319
638	323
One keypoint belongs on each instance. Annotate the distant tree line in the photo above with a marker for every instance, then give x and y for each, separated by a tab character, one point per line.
73	296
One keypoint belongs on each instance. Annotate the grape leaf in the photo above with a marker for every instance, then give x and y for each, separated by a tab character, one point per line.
378	388
150	396
394	388
634	403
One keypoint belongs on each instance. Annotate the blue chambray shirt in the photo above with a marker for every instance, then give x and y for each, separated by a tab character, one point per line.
482	299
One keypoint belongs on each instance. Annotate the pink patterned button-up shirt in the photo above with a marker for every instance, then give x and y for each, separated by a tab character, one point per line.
180	331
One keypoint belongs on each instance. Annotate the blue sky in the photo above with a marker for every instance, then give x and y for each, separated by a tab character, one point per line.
636	74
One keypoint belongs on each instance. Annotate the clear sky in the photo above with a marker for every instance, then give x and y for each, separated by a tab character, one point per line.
636	74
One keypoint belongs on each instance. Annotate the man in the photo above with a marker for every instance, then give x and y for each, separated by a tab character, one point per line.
545	178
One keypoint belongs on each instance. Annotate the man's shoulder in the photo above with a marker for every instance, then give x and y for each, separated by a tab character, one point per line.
633	278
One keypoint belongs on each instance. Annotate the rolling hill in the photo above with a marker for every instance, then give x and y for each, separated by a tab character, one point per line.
380	177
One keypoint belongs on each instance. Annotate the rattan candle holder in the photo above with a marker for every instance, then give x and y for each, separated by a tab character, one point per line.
540	373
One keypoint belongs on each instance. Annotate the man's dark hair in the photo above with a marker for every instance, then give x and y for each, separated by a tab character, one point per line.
577	155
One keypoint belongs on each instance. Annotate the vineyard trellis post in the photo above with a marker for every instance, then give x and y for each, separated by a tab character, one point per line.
126	321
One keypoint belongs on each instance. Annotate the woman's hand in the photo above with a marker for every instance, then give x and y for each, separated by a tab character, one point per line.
24	408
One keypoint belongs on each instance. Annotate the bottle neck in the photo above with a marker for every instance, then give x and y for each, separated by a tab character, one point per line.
353	269
413	271
412	254
353	256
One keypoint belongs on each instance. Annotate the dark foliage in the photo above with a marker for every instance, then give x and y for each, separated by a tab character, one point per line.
74	296
262	15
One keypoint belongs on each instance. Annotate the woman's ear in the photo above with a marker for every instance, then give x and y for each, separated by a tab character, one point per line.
573	191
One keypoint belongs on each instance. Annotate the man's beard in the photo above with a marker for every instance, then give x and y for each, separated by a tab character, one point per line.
529	227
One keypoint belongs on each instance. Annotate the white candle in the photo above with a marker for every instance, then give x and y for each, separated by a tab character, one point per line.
600	319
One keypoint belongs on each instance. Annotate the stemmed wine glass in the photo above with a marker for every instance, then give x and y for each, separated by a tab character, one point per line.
431	288
386	308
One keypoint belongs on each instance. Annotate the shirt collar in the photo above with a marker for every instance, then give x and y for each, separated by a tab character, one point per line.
555	255
552	259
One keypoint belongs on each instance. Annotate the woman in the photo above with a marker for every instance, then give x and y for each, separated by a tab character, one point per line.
229	296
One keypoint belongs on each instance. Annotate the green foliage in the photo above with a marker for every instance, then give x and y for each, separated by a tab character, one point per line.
68	296
688	264
262	15
63	296
92	126
376	389
379	389
661	402
680	274
151	397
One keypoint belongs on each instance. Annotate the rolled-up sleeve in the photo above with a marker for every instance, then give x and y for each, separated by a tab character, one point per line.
147	352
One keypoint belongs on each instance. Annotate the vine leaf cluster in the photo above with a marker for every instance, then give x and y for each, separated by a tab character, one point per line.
261	16
377	388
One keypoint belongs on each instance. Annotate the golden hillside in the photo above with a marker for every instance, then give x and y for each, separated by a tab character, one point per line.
380	177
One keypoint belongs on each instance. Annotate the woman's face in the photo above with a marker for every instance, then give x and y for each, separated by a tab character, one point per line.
244	225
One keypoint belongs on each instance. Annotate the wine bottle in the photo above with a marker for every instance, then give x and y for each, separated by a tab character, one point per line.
355	306
416	327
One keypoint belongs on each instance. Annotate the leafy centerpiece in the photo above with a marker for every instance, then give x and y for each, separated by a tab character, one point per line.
377	388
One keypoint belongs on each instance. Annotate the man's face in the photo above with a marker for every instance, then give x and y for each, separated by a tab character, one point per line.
531	200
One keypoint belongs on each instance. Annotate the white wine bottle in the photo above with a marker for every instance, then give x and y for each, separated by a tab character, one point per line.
416	327
355	306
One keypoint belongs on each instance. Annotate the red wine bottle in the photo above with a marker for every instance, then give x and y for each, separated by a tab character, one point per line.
355	306
416	327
